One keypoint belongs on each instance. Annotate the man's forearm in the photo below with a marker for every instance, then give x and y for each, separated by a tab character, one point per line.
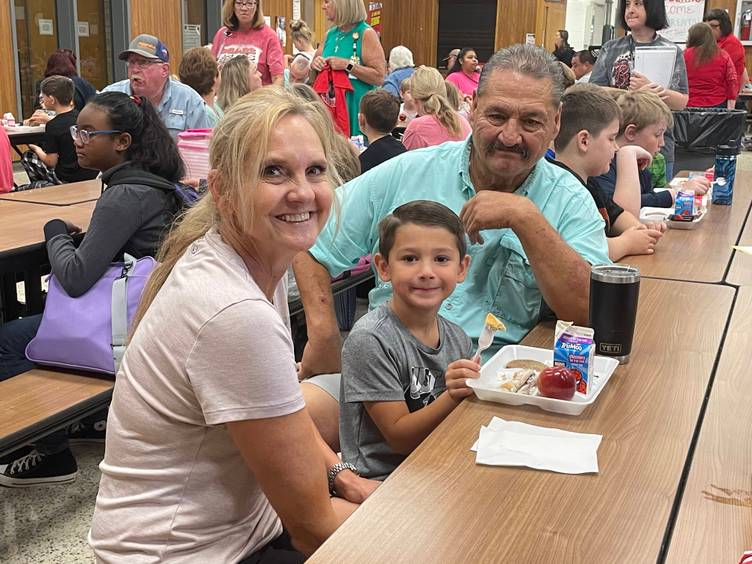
563	276
315	286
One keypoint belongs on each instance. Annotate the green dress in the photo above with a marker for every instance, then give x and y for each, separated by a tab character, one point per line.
348	45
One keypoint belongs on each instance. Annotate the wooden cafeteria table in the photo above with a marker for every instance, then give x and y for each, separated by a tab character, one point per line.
715	518
702	254
740	273
62	195
439	506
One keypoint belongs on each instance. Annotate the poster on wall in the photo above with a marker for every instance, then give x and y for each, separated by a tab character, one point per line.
191	36
529	39
374	16
296	9
682	14
83	29
281	33
46	27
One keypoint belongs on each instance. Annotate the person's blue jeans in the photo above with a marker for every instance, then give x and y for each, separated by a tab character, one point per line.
14	336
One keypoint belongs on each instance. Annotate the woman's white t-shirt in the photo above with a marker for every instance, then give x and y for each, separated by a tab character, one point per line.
210	350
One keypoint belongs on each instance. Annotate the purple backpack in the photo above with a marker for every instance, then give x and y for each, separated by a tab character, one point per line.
90	332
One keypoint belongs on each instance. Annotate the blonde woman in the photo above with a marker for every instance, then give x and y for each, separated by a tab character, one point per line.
210	448
437	121
245	33
302	38
239	77
351	45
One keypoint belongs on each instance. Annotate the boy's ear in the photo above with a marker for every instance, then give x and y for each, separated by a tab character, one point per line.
464	266
361	121
630	132
584	140
382	267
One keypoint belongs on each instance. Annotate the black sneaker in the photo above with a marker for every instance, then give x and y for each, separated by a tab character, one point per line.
86	433
10	457
36	468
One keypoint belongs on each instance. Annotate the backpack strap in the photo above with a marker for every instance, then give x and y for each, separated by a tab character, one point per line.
120	310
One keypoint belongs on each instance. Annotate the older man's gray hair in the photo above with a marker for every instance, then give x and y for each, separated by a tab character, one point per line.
527	60
400	57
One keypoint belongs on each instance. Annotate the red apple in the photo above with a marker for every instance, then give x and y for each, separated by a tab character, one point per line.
557	382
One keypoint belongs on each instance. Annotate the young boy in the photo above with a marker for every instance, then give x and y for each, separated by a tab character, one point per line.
59	152
378	116
401	357
645	118
585	146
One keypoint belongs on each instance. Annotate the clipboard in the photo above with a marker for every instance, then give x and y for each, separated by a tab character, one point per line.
656	63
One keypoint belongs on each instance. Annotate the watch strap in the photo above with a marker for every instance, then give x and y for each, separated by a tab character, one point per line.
336	469
349	67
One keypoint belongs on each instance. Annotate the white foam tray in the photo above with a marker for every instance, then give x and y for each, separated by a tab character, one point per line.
487	386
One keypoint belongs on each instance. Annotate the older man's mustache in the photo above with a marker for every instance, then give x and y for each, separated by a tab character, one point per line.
500	147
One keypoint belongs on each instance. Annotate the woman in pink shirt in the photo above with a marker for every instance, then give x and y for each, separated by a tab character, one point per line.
464	74
245	33
437	121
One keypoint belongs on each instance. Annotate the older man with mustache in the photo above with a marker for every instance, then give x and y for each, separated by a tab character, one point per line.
179	106
534	229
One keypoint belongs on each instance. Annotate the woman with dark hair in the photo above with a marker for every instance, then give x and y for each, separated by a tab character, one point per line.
63	63
464	74
123	137
720	23
245	33
643	19
563	51
710	71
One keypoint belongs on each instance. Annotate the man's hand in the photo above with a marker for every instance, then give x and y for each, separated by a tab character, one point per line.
489	209
456	374
641	240
320	356
353	488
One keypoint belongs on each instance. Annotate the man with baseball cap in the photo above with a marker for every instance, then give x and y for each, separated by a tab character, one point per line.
179	106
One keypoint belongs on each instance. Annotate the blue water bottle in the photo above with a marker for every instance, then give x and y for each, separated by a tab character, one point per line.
725	172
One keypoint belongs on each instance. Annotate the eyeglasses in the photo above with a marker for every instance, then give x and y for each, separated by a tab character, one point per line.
714	25
142	63
85	135
246	4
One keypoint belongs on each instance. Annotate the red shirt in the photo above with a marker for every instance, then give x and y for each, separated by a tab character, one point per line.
711	83
261	46
735	50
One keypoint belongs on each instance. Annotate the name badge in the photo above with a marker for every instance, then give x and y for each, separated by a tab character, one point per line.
177	112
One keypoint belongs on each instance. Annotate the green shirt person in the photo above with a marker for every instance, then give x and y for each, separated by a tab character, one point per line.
534	230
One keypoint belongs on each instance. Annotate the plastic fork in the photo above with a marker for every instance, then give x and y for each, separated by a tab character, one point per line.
485	339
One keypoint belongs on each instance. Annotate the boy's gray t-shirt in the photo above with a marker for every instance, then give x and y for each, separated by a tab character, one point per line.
612	68
383	361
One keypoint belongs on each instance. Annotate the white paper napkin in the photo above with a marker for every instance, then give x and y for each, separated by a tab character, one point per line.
512	443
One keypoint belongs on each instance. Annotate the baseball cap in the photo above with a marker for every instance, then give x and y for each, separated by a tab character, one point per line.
147	46
452	53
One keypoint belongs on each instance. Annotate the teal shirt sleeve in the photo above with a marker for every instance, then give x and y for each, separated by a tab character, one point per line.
582	228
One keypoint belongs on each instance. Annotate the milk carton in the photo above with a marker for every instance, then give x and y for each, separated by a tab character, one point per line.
574	348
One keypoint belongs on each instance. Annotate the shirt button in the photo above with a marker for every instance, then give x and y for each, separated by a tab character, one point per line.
449	306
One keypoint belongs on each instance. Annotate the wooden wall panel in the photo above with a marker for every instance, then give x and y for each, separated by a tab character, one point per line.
162	18
413	24
8	99
551	16
276	8
514	18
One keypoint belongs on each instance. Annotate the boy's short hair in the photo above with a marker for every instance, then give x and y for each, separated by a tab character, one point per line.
642	109
380	109
420	212
61	87
588	107
405	85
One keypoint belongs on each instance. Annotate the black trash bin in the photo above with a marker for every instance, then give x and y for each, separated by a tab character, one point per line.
698	131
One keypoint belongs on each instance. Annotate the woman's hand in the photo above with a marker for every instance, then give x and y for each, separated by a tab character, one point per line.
337	63
353	488
318	63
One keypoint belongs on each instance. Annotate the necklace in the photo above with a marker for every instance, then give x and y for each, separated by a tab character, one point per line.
343	35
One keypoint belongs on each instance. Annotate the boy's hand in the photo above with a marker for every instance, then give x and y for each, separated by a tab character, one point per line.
641	240
642	157
656	226
699	184
38	150
456	374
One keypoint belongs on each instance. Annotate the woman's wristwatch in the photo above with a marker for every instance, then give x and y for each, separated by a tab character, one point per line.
349	67
336	469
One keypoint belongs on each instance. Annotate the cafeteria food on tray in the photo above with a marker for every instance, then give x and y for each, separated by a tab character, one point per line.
557	382
525	363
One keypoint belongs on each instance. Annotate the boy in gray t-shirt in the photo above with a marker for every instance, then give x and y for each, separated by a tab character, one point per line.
400	358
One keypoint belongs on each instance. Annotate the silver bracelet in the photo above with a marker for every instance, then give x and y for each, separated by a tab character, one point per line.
336	469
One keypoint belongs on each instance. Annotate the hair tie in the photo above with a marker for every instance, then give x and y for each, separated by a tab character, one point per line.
137	100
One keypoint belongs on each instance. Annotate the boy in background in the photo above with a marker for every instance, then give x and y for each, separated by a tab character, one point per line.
378	115
403	365
56	160
585	146
645	118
